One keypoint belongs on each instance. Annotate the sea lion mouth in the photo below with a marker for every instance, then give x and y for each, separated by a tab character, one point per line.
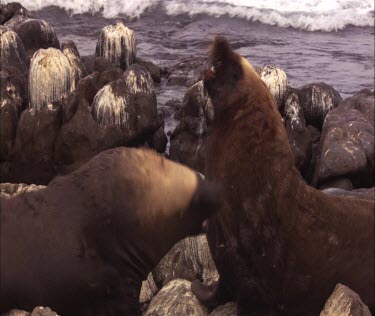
205	225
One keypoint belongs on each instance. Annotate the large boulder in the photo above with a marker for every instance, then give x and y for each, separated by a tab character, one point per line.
13	100
34	34
347	145
228	309
88	87
10	10
70	50
189	139
12	52
117	44
176	299
50	78
317	99
276	81
344	302
127	107
367	194
33	153
189	259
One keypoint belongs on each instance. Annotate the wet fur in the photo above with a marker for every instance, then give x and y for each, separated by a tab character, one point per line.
83	245
280	245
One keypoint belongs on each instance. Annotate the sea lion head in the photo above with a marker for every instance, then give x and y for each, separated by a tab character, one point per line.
232	80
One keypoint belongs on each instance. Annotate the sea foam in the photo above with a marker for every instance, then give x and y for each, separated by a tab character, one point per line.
310	15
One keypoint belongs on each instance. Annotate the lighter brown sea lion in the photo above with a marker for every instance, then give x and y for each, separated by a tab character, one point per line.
280	245
83	244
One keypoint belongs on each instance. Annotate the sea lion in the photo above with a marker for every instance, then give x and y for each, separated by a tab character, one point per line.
280	246
83	244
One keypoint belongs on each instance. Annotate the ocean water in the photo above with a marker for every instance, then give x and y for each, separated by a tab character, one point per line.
312	40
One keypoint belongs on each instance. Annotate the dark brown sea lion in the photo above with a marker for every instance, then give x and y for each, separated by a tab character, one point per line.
83	244
280	245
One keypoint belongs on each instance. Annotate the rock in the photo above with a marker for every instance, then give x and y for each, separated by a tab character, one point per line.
138	80
70	50
148	291
368	194
317	100
298	135
34	34
87	88
344	302
8	190
339	183
159	140
188	141
17	312
346	148
81	138
117	44
43	311
34	146
363	101
13	100
135	114
10	10
94	63
187	72
189	259
276	81
154	70
176	299
12	52
229	309
49	78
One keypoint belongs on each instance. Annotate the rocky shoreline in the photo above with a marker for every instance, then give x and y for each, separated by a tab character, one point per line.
59	109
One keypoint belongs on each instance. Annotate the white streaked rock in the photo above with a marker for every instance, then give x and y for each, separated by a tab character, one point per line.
117	44
70	50
50	78
12	51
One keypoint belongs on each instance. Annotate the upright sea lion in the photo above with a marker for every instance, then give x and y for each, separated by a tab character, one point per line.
280	245
83	244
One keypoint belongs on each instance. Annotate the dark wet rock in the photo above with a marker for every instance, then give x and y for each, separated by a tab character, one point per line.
339	183
12	52
189	139
189	259
363	101
129	103
159	140
176	299
298	135
70	50
346	148
8	190
317	99
187	72
10	10
34	34
50	78
94	63
315	137
315	133
117	44
34	145
82	137
87	88
13	100
368	194
276	80
228	309
344	302
155	71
